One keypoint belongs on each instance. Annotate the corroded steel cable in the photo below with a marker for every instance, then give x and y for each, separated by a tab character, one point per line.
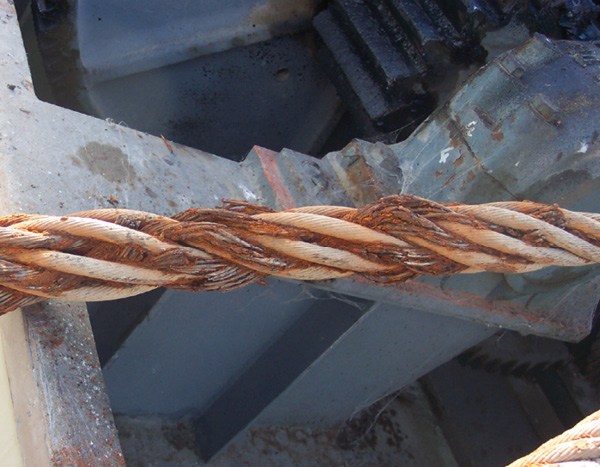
579	446
114	253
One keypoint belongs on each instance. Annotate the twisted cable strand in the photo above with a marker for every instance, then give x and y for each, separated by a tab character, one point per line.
107	254
579	446
111	253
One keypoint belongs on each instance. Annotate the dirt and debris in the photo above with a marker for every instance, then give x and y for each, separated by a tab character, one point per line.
399	430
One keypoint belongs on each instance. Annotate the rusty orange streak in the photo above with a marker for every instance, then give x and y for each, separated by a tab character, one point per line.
269	165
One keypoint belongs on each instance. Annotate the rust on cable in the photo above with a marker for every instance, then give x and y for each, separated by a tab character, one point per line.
113	253
578	446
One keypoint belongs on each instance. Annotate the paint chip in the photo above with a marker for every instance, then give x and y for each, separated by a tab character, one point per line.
471	128
444	154
584	147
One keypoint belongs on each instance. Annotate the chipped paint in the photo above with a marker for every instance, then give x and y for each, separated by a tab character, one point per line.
248	194
584	147
470	128
444	154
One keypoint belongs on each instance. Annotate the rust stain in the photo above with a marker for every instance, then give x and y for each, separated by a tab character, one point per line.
169	147
274	12
360	183
112	200
74	457
28	85
236	235
268	162
419	290
490	123
459	161
497	136
55	341
470	176
450	180
438	173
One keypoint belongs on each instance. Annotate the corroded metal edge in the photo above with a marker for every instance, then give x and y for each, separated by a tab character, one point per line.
62	410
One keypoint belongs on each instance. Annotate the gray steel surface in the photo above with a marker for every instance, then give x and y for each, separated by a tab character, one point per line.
118	39
188	350
388	348
222	101
212	75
